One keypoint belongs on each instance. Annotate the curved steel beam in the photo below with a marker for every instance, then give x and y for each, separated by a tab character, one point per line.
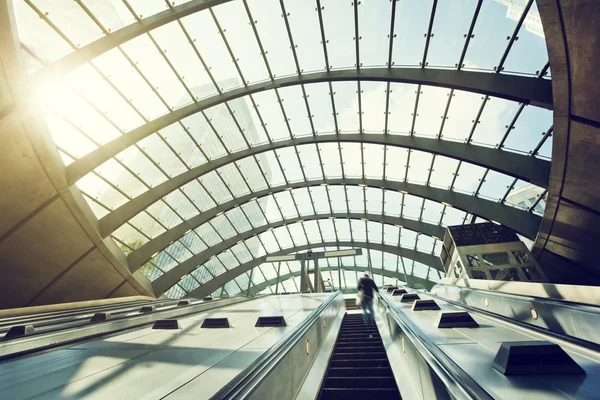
527	168
521	221
92	50
427	284
218	281
171	277
524	90
141	255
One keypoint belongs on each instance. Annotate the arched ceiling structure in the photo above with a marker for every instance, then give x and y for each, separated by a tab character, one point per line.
193	127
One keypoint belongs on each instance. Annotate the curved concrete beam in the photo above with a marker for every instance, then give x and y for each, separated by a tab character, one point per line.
524	90
171	277
144	253
527	168
92	50
521	221
218	281
392	274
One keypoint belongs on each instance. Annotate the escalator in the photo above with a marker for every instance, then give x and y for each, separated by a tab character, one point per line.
358	367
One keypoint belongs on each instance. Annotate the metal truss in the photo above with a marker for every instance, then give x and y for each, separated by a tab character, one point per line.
523	167
512	87
171	277
218	281
141	255
521	221
254	290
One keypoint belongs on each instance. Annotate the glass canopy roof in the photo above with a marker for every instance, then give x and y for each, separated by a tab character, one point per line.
253	197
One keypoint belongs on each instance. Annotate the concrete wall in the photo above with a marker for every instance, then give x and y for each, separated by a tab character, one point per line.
567	243
50	247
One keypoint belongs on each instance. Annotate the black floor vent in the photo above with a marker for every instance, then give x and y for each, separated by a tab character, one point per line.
19	330
534	357
277	320
101	317
421	305
398	292
208	298
409	297
184	303
391	289
216	323
146	309
456	319
166	324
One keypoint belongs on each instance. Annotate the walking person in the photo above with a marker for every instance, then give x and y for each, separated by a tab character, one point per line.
368	287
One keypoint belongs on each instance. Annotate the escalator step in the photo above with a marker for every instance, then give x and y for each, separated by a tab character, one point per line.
358	356
359	349
359	371
374	363
362	382
353	394
359	343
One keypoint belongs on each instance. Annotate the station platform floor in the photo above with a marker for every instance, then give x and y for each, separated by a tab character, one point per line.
144	363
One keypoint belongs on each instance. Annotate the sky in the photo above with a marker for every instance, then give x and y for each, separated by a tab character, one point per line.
79	127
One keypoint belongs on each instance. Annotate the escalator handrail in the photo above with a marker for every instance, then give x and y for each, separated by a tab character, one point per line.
250	378
455	378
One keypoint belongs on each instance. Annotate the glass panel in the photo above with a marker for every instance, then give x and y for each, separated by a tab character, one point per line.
320	199
529	53
241	38
374	29
270	208
114	64
271	30
337	196
393	203
176	47
297	233
374	199
304	25
373	156
355	196
295	109
346	103
157	71
342	227
432	103
252	174
420	163
160	153
198	196
205	35
312	231
215	187
330	156
310	161
494	25
204	135
451	24
290	164
495	118
220	118
410	29
234	181
286	204
505	274
492	259
164	214
373	99
351	154
270	111
327	230
320	107
374	232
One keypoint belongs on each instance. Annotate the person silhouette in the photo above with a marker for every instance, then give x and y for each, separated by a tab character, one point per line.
368	287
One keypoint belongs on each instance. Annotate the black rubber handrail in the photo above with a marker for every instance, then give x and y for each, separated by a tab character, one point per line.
455	378
250	378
